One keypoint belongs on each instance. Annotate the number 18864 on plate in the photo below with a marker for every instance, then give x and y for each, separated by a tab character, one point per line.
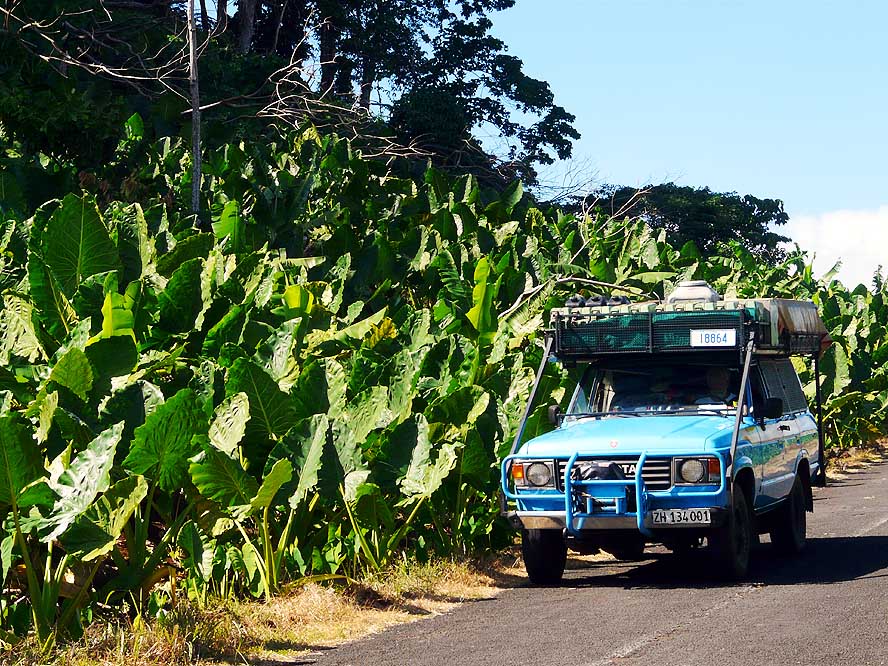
680	517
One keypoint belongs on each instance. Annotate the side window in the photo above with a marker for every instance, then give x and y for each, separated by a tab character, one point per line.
579	404
779	380
792	388
758	389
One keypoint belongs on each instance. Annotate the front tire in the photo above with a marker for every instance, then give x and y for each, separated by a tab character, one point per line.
732	543
788	531
545	555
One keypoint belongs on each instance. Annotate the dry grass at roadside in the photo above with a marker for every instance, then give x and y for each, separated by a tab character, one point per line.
301	619
842	463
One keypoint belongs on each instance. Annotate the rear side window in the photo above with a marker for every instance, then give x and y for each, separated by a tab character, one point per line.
779	380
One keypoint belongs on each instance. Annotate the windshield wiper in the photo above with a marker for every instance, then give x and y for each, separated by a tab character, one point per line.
643	412
584	415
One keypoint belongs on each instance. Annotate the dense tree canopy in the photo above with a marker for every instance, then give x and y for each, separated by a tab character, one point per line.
408	62
709	219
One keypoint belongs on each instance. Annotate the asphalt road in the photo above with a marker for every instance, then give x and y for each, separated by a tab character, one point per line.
828	606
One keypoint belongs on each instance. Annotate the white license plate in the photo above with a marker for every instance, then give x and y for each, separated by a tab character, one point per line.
714	337
680	517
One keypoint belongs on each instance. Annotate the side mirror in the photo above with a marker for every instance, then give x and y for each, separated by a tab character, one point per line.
773	408
554	414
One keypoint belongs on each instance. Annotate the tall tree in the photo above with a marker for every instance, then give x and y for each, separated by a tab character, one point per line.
246	24
707	218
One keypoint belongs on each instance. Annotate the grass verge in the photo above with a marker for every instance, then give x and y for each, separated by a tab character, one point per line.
843	462
304	618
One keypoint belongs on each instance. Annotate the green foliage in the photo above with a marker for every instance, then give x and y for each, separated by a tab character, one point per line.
710	220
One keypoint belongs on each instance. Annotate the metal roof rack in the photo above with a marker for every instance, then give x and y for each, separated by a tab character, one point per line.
779	327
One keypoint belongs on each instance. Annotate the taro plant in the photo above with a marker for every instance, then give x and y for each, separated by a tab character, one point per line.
317	380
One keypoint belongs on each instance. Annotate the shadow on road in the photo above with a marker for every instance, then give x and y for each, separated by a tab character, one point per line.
825	560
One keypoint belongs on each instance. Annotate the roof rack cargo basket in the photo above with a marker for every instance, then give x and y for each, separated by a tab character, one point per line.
780	327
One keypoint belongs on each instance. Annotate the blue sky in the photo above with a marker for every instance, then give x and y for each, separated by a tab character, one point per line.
782	99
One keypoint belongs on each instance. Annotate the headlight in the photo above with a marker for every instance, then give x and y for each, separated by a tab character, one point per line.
692	471
538	474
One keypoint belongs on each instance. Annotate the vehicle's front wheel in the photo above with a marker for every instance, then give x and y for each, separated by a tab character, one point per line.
788	531
732	543
545	555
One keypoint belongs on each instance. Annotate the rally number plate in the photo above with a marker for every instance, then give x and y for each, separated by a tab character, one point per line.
680	517
714	337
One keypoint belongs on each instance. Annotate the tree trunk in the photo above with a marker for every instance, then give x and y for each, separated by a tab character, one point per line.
195	110
204	17
343	87
221	15
246	21
368	78
328	55
277	29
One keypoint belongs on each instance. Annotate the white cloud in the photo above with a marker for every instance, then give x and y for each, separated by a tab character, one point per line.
857	238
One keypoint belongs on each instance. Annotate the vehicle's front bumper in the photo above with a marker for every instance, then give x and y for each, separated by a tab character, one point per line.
603	505
557	520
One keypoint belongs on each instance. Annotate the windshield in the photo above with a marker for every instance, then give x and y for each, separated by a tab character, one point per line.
671	388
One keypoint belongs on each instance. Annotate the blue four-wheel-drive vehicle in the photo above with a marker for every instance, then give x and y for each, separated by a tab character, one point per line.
688	424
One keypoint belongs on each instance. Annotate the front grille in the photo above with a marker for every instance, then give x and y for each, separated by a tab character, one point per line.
657	472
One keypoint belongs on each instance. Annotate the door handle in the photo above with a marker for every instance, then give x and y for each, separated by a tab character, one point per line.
784	427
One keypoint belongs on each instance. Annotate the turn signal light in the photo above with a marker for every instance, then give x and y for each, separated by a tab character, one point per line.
714	469
518	471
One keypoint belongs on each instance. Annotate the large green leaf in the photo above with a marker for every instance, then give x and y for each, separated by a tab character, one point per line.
309	446
96	532
396	450
135	245
482	314
280	473
314	439
221	479
454	284
74	372
181	301
117	317
275	354
199	550
272	412
20	337
76	243
230	423
43	410
231	225
114	356
425	472
54	308
194	247
228	329
165	442
20	460
132	403
78	484
366	412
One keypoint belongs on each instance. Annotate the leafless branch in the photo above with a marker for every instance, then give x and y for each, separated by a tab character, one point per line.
91	41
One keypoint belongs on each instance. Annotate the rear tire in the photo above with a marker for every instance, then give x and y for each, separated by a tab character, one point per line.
732	544
545	555
788	531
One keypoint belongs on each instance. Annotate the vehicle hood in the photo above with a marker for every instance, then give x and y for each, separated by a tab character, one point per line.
685	433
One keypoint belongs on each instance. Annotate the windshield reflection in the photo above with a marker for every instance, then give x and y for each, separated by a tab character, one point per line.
656	389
